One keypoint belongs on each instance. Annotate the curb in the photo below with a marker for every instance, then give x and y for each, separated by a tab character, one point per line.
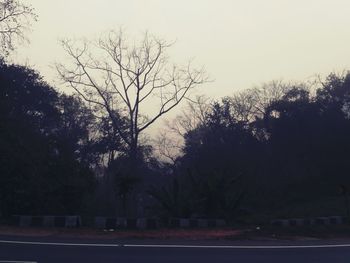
330	220
48	221
125	223
116	222
151	223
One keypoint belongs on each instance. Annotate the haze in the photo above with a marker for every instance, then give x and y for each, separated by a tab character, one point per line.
240	43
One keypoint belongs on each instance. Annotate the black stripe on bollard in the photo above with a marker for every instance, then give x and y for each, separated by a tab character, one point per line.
151	223
276	223
131	223
15	220
292	222
320	221
111	223
37	221
193	223
60	221
307	221
211	223
100	222
174	222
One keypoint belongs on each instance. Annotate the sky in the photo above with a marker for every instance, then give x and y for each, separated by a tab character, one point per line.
241	43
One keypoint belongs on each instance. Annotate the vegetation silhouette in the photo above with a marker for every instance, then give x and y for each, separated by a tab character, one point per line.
279	150
43	163
279	153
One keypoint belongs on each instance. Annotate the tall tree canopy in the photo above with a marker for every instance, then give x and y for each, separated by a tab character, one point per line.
41	168
291	146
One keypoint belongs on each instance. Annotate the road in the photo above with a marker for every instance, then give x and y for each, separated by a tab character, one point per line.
65	252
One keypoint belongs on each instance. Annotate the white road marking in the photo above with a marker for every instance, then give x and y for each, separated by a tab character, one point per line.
58	244
174	246
241	247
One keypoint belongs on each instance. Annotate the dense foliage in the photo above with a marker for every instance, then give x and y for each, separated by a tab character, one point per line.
290	151
43	165
268	150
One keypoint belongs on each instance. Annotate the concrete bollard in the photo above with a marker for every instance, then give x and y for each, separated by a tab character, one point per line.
72	221
141	223
322	221
100	222
296	222
202	223
184	223
111	223
121	222
131	223
37	221
152	223
174	222
25	221
308	221
336	220
220	223
193	223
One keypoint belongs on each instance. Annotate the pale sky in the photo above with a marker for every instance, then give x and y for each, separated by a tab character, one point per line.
241	43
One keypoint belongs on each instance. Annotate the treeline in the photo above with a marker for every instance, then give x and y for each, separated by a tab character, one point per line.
287	146
278	150
269	150
56	156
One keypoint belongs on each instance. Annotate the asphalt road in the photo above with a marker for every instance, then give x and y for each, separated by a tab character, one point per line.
132	253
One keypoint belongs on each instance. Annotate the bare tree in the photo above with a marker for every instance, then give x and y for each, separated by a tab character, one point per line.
267	94
117	76
170	142
15	20
248	105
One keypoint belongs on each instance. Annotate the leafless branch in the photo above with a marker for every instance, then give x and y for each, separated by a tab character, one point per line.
15	21
112	73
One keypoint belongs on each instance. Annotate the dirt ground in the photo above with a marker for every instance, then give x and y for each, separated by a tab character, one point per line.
237	233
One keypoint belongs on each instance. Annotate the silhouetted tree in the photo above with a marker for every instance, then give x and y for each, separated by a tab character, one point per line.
307	148
121	77
170	141
223	143
41	170
204	195
289	146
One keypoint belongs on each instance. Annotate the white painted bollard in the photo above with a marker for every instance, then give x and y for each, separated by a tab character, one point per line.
202	223
322	221
25	220
141	223
184	223
100	222
72	221
336	220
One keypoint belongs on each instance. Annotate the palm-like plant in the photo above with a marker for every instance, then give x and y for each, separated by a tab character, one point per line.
210	196
173	199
